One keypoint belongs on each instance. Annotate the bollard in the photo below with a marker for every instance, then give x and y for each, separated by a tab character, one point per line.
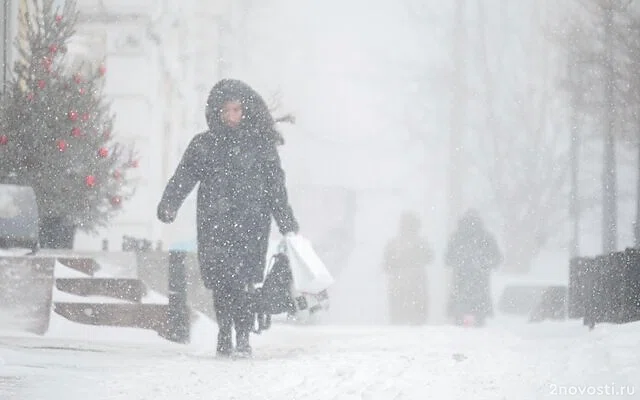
577	296
178	320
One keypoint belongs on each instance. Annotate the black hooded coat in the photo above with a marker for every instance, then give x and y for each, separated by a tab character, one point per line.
472	253
242	185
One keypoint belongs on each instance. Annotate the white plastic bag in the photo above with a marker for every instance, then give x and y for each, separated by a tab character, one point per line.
310	275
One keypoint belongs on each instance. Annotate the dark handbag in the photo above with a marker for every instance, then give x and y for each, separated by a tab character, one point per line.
274	296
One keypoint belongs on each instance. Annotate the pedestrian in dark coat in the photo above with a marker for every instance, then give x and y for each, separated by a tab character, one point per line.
405	259
472	253
241	186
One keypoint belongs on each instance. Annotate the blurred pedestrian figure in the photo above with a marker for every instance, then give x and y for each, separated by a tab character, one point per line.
405	260
472	253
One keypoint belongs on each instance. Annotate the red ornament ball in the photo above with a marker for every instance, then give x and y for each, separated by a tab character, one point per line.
62	145
42	84
82	90
4	139
134	163
102	70
76	132
103	152
116	201
53	49
58	18
85	117
90	181
73	115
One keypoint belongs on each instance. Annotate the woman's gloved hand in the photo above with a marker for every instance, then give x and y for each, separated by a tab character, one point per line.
166	214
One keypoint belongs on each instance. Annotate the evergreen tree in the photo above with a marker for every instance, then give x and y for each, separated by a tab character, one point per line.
56	130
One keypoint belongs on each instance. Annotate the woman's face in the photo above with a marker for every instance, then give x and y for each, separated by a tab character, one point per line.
232	113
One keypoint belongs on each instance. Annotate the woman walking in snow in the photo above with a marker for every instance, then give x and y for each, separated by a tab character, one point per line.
472	253
405	259
242	185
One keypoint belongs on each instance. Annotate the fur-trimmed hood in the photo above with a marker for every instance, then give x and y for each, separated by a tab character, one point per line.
256	115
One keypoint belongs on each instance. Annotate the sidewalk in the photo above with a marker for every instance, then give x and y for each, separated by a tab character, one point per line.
331	363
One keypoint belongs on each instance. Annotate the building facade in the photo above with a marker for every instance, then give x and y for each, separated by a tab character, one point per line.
162	58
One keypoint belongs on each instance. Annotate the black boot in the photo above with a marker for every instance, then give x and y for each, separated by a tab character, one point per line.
225	344
243	348
243	321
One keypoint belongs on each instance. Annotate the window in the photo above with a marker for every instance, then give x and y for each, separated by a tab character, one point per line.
59	4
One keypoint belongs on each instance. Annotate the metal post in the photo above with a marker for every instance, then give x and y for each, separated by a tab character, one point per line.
609	173
458	113
636	225
178	320
5	44
574	195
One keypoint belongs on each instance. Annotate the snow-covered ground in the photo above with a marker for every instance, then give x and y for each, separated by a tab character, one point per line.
507	360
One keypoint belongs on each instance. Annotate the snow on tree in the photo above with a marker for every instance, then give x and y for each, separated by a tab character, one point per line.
56	130
604	59
522	151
